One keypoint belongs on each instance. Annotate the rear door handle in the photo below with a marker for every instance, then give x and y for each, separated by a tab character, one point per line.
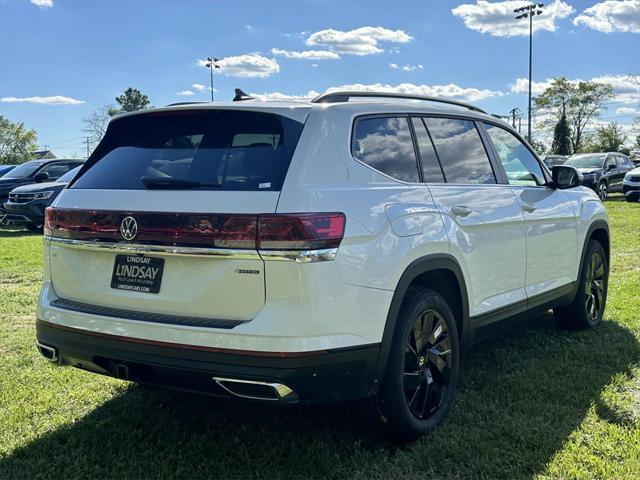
529	208
460	211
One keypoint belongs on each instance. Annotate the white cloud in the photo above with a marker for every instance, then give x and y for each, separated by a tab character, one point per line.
393	66
53	100
360	41
283	96
522	86
185	93
451	91
626	110
314	65
43	3
625	88
199	87
412	68
307	54
498	18
612	16
251	65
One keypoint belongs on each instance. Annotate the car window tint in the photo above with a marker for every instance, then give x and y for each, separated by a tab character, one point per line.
611	160
460	150
521	166
431	171
56	170
385	143
221	149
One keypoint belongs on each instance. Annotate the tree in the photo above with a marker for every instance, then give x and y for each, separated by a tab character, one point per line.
17	143
581	102
562	137
539	147
95	125
607	138
131	100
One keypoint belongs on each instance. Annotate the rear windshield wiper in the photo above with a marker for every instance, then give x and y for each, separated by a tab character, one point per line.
173	183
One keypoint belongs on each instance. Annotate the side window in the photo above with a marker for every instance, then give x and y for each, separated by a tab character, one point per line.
385	143
56	170
611	160
521	166
431	171
460	150
621	161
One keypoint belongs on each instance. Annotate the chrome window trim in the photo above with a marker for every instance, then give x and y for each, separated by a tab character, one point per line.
297	256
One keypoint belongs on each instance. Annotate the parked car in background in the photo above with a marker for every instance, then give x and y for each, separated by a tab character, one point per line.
551	160
4	169
602	172
35	171
631	185
27	203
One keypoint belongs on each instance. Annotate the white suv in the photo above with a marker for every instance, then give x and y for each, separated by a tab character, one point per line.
343	248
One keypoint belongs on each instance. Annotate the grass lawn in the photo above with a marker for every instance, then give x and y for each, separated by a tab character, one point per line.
535	402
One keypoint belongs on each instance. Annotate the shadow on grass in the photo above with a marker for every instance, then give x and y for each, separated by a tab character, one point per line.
520	397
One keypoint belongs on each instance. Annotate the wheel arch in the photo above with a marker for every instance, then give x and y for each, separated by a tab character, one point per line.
598	230
442	273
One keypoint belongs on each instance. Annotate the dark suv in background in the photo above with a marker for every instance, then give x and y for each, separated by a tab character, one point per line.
35	171
602	172
27	203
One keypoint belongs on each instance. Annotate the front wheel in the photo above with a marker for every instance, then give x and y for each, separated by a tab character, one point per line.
588	306
602	190
422	370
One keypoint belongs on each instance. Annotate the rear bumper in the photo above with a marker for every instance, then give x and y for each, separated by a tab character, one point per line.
314	377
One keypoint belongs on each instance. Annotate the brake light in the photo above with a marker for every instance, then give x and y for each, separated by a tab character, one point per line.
296	231
303	231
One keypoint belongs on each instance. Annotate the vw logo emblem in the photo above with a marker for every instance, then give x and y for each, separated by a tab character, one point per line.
128	228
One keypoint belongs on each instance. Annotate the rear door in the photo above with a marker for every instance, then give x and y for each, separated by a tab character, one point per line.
162	218
550	219
483	218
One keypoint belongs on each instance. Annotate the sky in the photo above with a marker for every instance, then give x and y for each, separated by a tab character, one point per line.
60	60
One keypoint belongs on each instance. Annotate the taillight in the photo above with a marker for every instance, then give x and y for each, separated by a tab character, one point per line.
302	231
296	231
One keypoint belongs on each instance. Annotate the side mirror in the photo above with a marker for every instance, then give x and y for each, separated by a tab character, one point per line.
611	166
565	176
41	177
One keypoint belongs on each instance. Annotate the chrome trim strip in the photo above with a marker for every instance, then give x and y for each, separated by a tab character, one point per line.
239	254
299	256
282	391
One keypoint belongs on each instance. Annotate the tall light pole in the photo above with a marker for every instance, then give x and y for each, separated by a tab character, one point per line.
529	11
212	62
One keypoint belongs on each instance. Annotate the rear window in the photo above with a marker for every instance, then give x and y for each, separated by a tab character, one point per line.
213	149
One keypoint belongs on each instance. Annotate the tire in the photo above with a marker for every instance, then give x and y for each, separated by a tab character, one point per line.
632	198
602	190
409	404
588	306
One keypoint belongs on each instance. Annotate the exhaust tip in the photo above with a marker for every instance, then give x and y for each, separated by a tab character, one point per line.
256	390
49	353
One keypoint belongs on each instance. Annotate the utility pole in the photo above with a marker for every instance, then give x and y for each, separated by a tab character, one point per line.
212	62
529	11
514	111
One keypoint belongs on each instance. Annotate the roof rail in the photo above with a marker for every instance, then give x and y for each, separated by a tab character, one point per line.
345	96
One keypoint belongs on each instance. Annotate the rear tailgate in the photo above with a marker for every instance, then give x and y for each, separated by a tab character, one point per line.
182	242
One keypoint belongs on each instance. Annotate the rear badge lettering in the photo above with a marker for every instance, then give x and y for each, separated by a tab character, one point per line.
251	272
